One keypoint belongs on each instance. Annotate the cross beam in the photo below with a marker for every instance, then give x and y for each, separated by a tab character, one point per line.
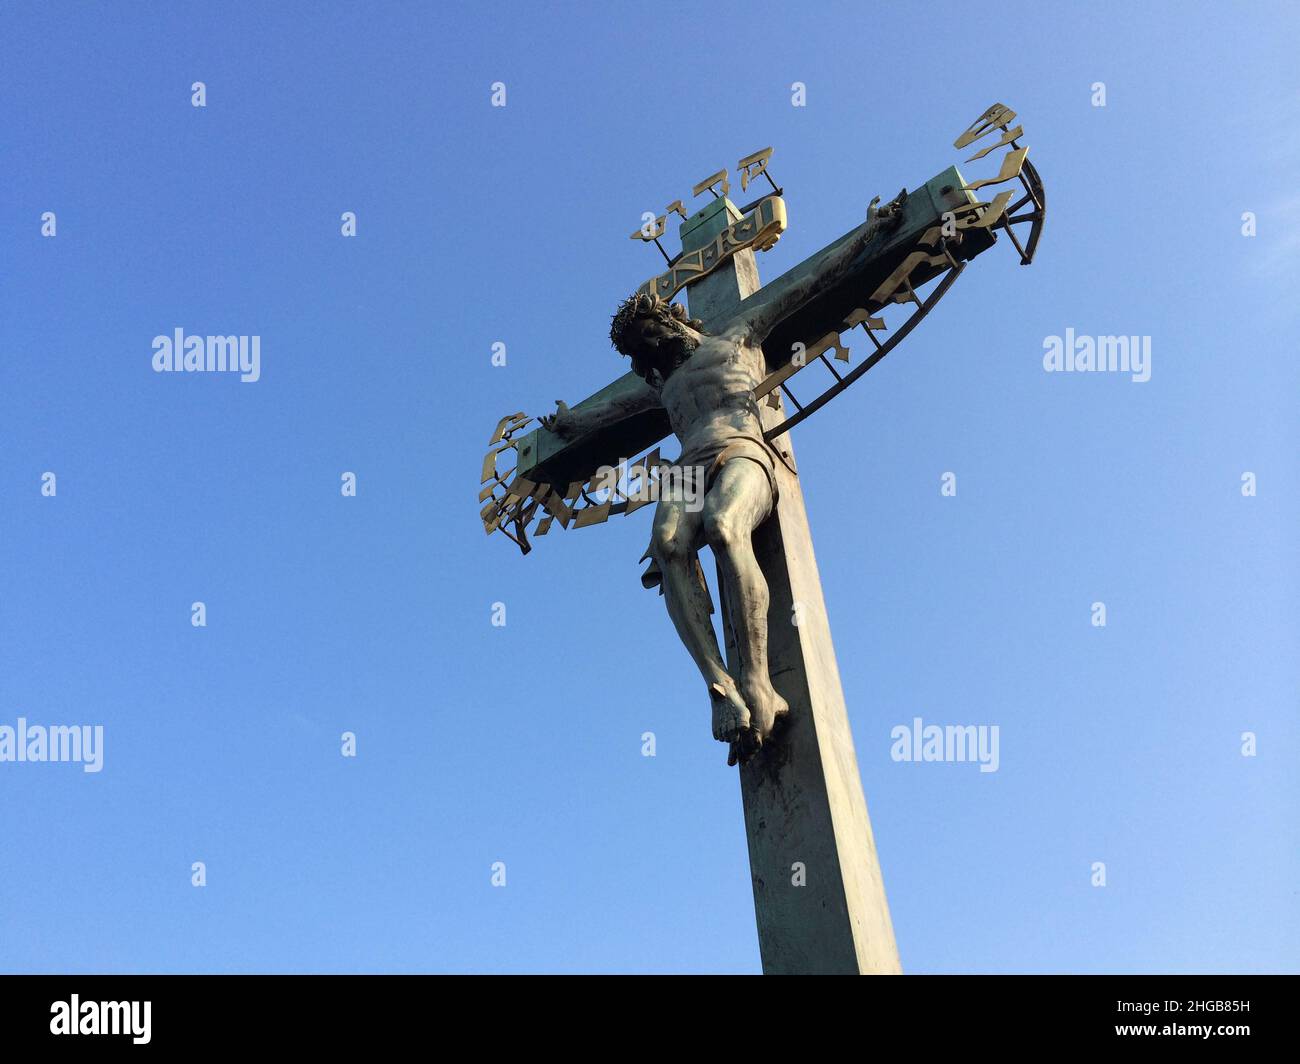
547	458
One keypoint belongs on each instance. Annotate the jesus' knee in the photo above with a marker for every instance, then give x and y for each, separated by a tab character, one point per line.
670	547
722	529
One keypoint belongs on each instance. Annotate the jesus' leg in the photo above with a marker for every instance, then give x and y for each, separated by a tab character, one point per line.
737	503
676	538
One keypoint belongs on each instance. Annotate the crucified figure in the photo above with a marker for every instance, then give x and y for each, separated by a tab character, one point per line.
705	382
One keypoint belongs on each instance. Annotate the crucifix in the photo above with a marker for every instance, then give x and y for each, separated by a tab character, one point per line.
717	374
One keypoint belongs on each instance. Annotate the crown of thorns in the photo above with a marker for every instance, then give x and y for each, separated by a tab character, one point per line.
645	305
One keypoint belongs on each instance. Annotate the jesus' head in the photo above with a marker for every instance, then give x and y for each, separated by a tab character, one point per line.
656	334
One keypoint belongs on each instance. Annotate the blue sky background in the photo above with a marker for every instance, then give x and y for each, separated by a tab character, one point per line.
522	744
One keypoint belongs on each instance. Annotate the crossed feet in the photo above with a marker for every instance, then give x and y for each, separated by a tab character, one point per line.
744	717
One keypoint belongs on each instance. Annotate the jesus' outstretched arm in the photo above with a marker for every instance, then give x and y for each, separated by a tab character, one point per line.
594	415
828	271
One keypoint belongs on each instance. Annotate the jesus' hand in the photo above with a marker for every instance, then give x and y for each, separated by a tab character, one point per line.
561	422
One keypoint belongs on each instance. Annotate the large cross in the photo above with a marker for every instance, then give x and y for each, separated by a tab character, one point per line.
819	896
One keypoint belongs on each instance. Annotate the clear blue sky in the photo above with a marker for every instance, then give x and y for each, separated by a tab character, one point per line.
522	744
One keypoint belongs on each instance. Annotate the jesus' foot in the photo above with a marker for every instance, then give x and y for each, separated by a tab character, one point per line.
765	705
730	714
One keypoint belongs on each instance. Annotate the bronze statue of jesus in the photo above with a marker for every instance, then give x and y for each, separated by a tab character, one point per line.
705	382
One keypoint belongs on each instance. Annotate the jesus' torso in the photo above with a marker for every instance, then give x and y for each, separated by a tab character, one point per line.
710	397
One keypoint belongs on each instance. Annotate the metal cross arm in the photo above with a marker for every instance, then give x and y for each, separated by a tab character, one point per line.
622	419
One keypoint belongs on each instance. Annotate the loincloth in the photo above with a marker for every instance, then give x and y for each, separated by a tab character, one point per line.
715	454
710	457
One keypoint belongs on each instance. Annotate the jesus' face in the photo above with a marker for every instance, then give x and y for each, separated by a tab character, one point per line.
659	344
651	332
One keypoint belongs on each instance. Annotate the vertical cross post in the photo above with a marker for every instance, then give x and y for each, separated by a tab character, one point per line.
819	898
